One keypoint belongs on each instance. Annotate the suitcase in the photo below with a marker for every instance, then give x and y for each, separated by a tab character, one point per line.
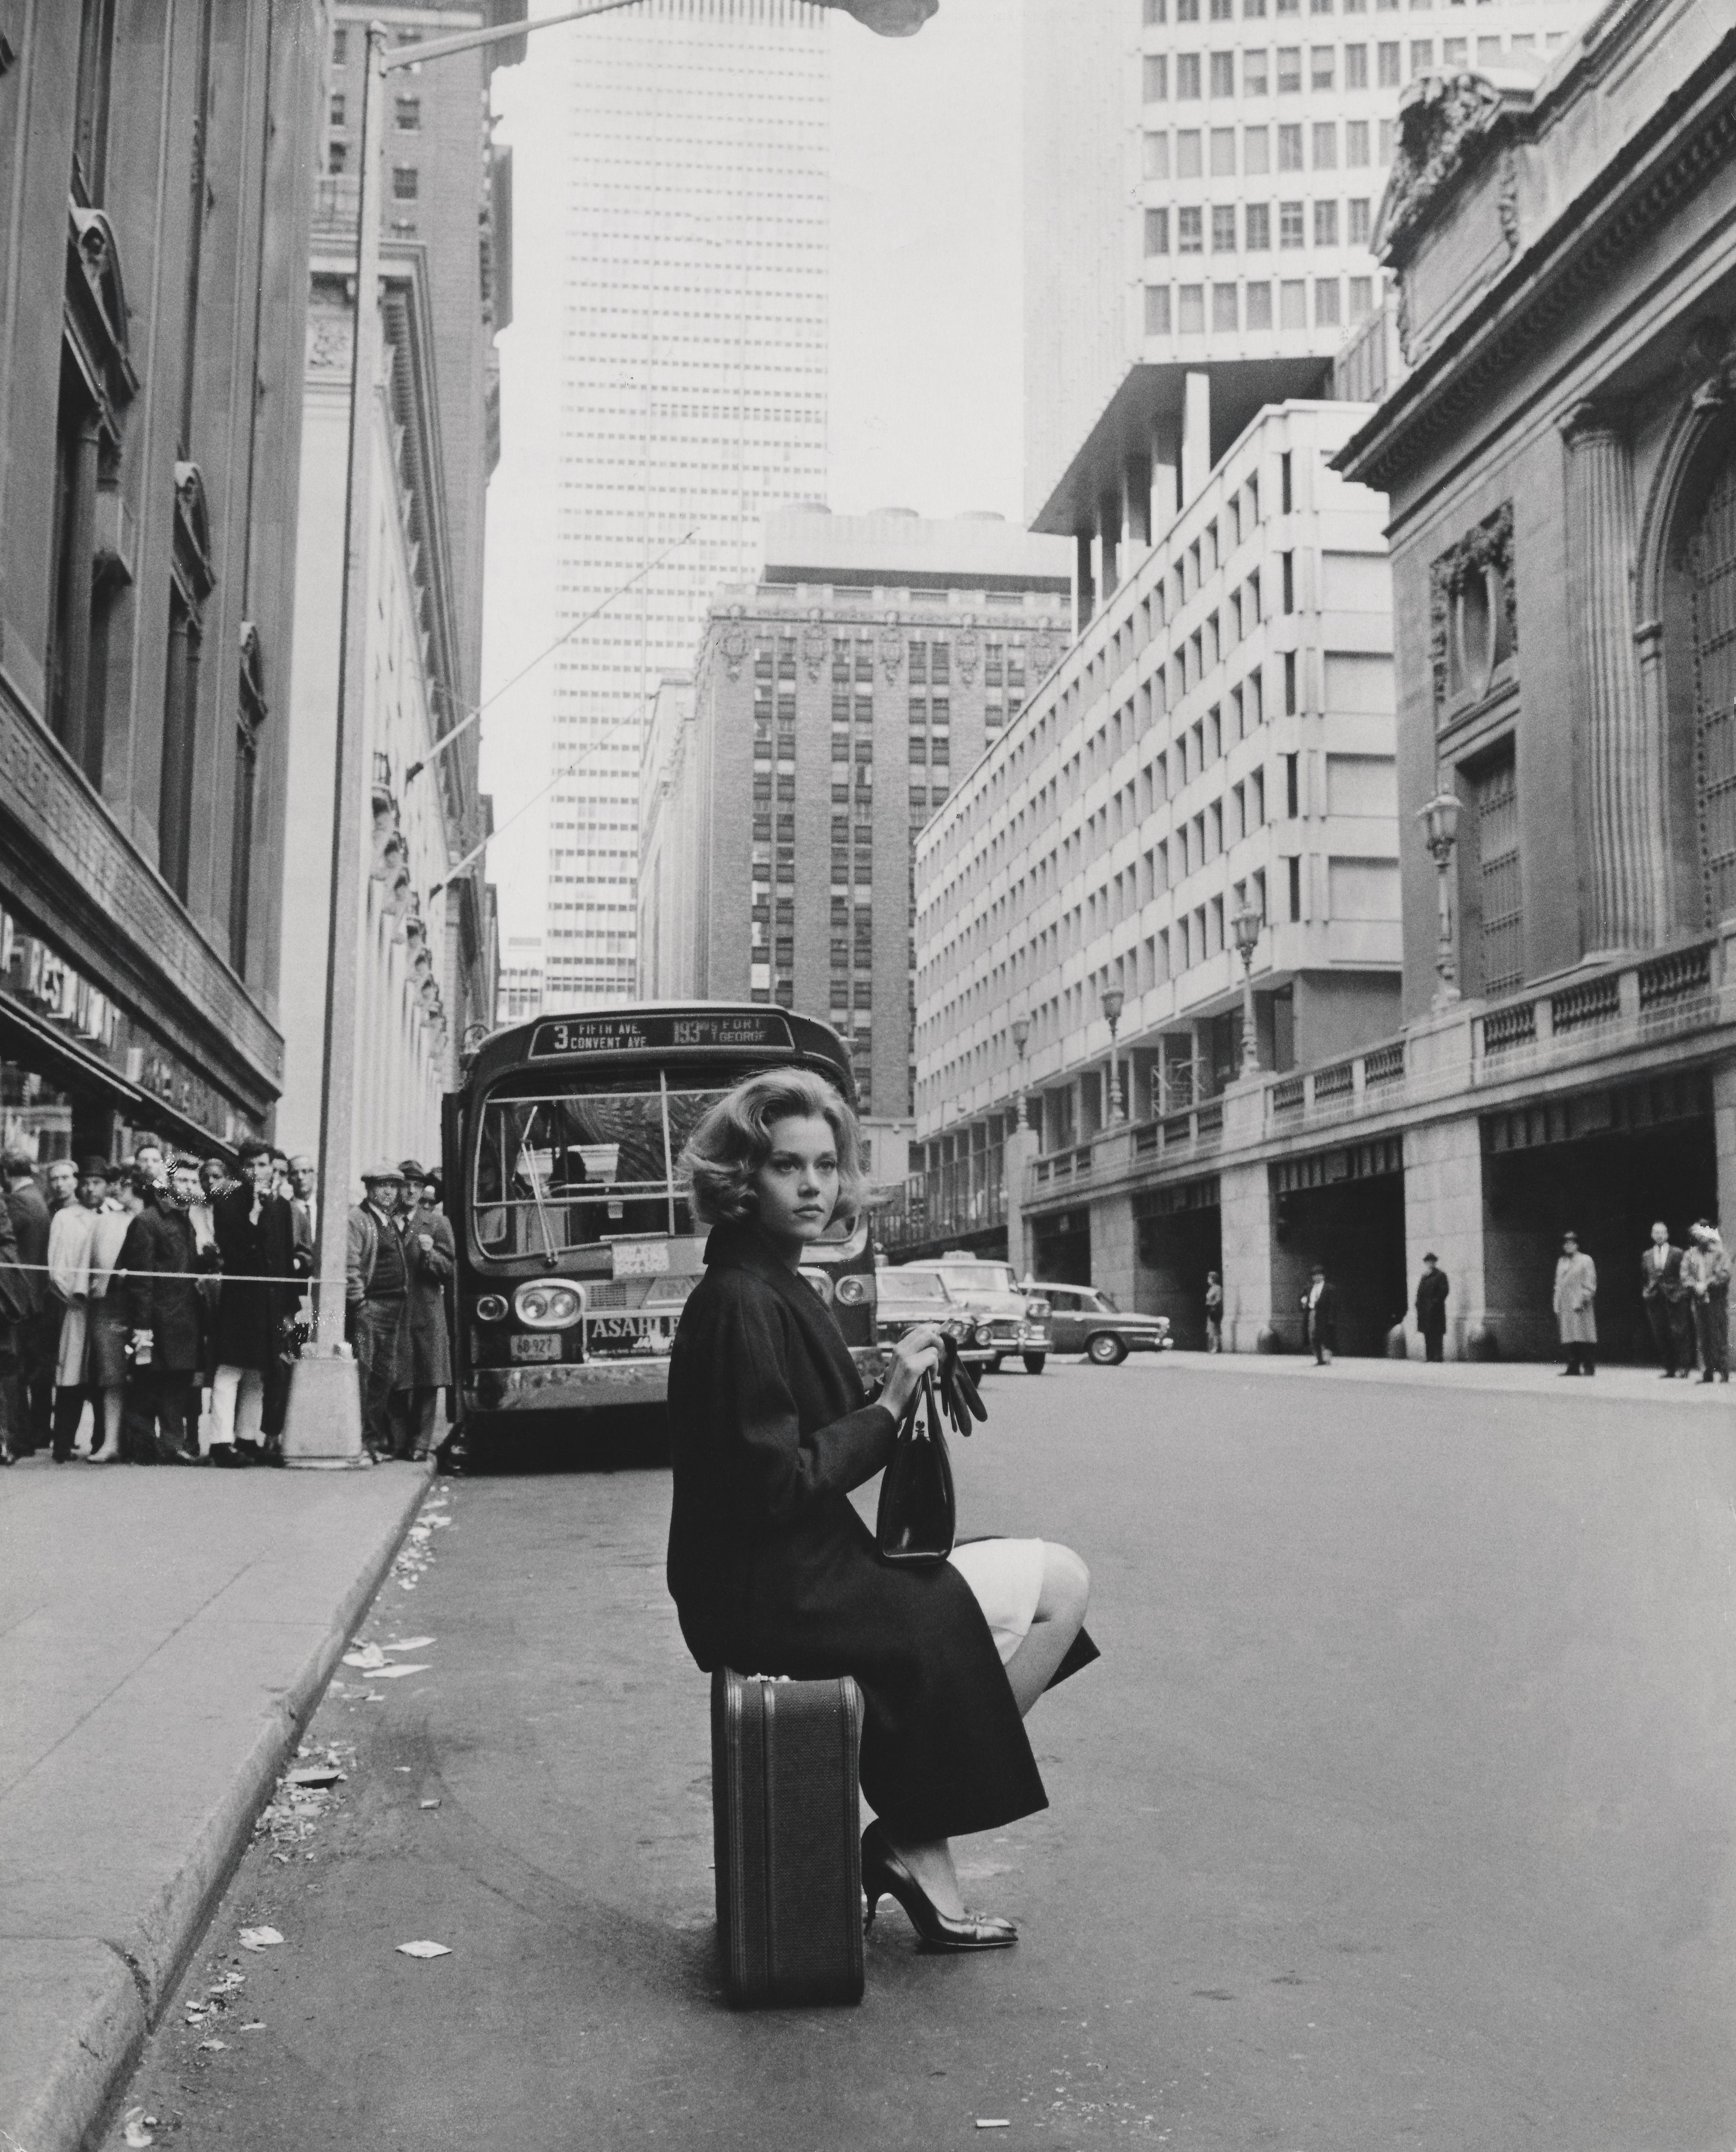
786	1819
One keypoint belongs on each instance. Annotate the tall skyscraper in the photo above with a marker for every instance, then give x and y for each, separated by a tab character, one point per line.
692	393
1202	178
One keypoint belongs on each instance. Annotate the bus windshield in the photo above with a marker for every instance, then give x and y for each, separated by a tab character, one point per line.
571	1161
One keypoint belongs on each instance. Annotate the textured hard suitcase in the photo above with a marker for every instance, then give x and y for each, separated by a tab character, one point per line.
786	1819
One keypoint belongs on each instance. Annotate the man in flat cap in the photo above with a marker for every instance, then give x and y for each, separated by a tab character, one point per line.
377	1281
430	1258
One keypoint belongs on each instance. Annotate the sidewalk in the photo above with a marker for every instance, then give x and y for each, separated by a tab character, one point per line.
1515	1377
163	1636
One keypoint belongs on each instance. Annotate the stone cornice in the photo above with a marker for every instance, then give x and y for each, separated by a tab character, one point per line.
1685	140
73	866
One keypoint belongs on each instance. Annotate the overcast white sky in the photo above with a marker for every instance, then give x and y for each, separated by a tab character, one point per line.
927	340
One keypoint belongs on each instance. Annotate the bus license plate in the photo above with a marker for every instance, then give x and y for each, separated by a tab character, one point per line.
544	1348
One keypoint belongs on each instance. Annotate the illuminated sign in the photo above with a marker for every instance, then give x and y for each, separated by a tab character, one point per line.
654	1034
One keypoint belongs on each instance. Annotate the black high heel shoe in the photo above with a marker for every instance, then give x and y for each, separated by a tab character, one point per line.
883	1875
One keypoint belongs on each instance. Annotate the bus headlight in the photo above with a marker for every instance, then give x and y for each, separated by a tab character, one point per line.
548	1306
490	1307
853	1291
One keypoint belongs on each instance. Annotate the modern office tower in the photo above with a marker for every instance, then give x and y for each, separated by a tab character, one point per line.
833	705
692	391
1202	178
520	991
1220	741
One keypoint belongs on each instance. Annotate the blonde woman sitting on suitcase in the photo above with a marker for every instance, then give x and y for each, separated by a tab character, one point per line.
770	1567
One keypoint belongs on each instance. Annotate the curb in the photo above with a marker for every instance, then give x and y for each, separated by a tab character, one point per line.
121	1993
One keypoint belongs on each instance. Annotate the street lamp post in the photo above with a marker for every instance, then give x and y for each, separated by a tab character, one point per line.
1440	832
1245	926
1021	1039
1112	1000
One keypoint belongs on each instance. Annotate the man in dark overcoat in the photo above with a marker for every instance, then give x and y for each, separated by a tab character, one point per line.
39	1329
425	1369
255	1236
1432	1291
375	1284
1667	1301
1320	1318
165	1317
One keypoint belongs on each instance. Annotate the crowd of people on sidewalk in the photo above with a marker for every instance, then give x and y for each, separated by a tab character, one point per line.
153	1311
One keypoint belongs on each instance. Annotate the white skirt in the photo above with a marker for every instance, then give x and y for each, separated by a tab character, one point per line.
1006	1577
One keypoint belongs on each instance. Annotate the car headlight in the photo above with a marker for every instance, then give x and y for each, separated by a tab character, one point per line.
490	1307
854	1291
1037	1309
548	1306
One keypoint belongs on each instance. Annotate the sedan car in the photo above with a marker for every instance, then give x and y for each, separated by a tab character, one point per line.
1002	1320
904	1298
1083	1318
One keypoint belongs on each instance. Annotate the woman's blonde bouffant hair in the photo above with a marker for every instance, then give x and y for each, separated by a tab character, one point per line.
734	1141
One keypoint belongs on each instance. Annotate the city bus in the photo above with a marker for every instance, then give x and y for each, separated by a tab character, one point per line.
575	1244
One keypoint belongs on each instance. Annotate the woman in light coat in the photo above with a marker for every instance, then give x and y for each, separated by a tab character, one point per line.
1576	1291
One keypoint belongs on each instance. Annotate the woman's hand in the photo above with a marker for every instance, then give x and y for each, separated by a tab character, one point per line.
917	1353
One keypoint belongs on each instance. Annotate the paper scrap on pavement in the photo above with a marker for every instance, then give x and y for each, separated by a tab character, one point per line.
428	1804
316	1774
423	1950
212	2046
254	2025
367	1656
987	2122
135	2132
410	1644
398	1673
259	1938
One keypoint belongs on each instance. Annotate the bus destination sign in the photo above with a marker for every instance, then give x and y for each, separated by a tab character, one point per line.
653	1034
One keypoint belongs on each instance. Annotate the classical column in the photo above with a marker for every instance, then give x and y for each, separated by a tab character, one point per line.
1622	746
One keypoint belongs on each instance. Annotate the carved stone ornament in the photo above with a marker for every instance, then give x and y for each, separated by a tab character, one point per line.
1443	121
816	644
1507	202
892	646
734	641
1485	553
329	339
967	649
1708	365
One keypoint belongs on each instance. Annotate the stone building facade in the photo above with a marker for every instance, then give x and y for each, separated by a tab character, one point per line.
1220	739
831	709
154	234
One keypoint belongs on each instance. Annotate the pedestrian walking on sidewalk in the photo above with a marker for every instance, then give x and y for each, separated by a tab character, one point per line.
1706	1274
376	1287
1214	1312
161	1293
1667	1301
38	1327
430	1257
1575	1315
1320	1318
1432	1290
770	1565
256	1238
16	1303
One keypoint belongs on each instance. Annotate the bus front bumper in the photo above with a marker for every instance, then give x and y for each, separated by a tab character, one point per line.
587	1386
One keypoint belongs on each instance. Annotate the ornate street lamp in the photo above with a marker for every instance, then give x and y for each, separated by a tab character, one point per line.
1245	926
1440	832
1021	1039
1113	1001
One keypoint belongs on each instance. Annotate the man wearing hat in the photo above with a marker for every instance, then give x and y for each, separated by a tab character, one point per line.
377	1280
430	1258
1432	1290
255	1236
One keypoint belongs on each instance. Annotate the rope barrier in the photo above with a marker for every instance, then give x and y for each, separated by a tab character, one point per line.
217	1278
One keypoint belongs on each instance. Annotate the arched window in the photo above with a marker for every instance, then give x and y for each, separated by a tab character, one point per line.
1711	563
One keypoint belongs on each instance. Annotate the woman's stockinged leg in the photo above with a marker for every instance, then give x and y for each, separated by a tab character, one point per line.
1060	1615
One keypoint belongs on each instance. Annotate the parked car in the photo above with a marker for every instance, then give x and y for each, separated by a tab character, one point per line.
1003	1320
905	1297
1083	1318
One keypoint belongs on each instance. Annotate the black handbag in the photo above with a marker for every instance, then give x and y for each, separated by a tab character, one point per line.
918	1516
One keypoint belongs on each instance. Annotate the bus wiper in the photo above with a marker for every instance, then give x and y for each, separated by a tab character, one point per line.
529	1157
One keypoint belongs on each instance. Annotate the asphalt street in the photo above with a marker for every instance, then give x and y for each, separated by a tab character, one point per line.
1398	1813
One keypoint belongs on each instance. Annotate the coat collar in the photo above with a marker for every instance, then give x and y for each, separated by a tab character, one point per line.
740	1247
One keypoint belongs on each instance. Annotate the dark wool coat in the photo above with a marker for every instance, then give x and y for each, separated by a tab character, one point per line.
772	1570
1432	1290
161	1238
425	1362
248	1314
27	1210
1320	1323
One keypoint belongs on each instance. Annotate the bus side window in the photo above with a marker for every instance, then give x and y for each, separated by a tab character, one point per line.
491	1227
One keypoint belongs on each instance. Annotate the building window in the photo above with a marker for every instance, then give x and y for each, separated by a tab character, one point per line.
1362	298
1290	224
180	715
1326	224
1455	52
1223	228
1324	67
1223	75
1422	56
1156	74
406	183
335	111
1388	129
1357	215
1258	225
1356	142
1224	309
1387	65
1328	295
1259	306
1289	70
1192	302
1187	154
1187	74
1223	153
337	157
1157	156
340	48
1255	151
1501	938
1293	868
1190	230
1290	148
1155	11
1356	67
1222	11
1253	74
1157	241
407	115
1157	310
1326	146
